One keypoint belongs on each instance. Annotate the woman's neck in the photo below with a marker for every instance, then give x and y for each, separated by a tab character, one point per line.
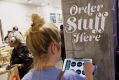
43	65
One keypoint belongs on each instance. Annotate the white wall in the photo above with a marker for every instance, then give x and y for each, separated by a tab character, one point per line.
45	11
0	39
12	14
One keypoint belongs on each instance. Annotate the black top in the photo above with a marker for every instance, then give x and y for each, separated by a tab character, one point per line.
20	55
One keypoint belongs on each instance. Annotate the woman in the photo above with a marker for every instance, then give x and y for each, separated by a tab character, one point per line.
44	42
20	54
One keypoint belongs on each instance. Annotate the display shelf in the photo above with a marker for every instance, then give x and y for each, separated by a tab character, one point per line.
5	54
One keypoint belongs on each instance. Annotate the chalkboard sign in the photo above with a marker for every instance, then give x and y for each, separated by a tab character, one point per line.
88	33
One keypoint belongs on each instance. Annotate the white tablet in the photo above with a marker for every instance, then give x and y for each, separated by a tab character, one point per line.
75	65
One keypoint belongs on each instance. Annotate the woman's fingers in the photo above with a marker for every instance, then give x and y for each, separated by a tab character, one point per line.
88	68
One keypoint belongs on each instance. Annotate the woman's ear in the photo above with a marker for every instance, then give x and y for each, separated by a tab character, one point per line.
53	48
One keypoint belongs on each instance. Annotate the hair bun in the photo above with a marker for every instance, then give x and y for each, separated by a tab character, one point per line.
38	21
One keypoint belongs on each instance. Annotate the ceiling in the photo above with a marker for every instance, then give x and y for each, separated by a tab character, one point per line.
54	3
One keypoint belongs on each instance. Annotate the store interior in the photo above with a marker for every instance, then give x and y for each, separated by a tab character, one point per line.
18	13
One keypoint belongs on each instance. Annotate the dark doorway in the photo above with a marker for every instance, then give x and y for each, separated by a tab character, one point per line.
1	31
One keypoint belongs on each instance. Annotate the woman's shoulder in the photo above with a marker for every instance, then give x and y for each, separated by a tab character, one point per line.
68	75
34	74
72	75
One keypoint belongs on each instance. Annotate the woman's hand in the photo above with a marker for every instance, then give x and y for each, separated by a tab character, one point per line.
88	68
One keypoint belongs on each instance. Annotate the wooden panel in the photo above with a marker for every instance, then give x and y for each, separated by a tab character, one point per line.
88	33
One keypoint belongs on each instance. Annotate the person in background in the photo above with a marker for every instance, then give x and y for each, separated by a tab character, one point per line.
63	53
20	54
44	42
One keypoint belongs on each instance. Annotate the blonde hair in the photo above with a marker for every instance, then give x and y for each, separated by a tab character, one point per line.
40	35
17	35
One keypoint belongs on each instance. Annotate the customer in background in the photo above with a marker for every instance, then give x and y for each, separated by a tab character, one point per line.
20	54
63	52
44	41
